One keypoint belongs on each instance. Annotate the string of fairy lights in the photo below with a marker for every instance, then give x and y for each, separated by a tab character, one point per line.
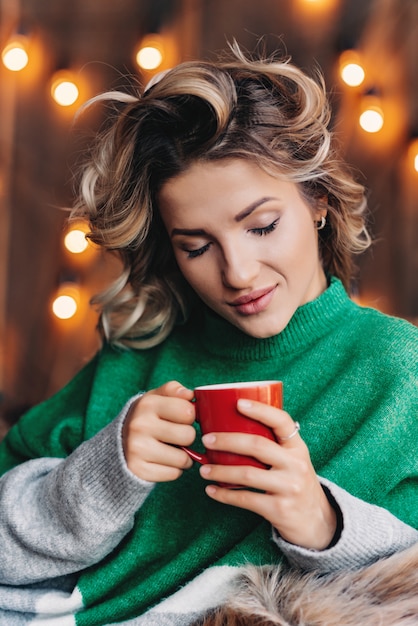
63	85
151	56
66	300
65	91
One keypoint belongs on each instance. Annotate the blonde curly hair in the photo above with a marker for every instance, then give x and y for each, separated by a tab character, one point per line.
264	110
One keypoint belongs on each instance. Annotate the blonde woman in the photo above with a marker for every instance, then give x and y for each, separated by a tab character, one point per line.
220	189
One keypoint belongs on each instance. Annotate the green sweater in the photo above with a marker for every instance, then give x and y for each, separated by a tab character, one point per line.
84	540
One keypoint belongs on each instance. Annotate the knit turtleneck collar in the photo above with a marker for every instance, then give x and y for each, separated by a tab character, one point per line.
310	322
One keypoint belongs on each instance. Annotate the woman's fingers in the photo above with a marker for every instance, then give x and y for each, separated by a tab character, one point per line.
239	475
171	402
285	479
308	521
249	500
288	494
265	450
272	500
172	389
173	433
157	423
156	462
285	429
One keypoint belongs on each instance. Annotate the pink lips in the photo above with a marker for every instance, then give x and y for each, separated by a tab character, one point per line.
254	302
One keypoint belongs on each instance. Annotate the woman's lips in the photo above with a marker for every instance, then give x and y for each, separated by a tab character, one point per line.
254	302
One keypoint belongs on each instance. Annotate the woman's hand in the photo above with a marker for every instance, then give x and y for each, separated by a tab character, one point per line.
158	422
293	500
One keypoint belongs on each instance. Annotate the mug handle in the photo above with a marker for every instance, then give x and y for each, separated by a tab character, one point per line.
196	456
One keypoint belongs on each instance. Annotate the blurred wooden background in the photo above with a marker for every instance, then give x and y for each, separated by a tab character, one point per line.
96	40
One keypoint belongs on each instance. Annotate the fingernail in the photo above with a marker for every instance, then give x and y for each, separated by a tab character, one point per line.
210	490
243	403
205	470
208	439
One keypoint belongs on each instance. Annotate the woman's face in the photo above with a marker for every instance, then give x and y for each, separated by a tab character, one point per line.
245	241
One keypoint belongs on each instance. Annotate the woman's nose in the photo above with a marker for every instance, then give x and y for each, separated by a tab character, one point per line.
239	268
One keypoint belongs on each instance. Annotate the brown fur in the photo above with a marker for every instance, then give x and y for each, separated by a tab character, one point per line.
382	594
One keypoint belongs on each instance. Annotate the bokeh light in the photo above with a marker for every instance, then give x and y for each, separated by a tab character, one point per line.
371	119
15	56
64	92
64	306
75	241
149	58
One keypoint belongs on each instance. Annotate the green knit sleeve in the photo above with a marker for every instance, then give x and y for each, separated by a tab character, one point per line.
53	428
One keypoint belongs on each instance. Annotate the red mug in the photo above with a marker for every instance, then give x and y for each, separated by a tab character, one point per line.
216	411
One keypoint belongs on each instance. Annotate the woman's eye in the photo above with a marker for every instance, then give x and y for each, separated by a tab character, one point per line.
192	254
265	230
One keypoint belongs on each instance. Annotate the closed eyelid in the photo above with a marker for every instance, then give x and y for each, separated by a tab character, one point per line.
266	225
185	239
194	242
192	254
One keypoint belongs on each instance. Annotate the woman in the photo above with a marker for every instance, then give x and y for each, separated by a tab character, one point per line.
235	221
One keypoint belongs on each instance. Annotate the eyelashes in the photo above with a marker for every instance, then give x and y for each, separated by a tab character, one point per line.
260	232
192	254
265	230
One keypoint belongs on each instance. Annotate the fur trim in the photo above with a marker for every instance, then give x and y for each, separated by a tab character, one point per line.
382	594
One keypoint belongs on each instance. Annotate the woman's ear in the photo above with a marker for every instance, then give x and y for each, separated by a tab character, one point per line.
320	213
321	208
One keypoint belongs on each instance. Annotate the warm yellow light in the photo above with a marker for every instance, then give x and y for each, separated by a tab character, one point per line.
149	57
372	119
64	306
318	4
64	91
412	155
15	56
351	68
352	74
75	241
151	51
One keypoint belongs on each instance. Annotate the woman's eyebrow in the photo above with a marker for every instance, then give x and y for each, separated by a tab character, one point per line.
190	232
252	207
